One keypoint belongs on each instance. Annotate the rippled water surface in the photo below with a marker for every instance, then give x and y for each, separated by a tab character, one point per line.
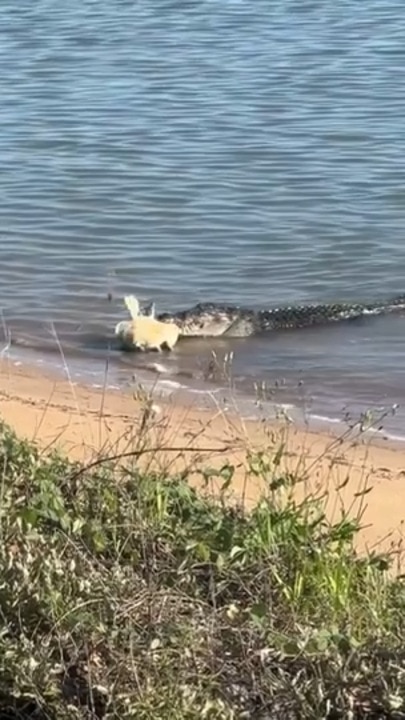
187	151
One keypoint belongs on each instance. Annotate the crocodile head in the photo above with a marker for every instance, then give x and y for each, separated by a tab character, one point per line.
211	320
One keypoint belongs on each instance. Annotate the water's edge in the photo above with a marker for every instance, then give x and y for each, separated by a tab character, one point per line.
202	398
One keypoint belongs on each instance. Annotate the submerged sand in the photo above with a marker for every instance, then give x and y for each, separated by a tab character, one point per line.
352	470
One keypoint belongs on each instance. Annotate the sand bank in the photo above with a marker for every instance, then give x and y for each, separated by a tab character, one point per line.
85	422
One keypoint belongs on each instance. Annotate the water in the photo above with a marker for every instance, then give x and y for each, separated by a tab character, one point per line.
189	151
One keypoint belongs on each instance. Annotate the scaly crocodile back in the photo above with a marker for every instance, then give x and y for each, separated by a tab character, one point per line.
213	319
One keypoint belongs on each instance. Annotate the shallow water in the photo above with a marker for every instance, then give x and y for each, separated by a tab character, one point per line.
190	151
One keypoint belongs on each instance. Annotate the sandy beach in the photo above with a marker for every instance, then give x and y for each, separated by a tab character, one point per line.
353	470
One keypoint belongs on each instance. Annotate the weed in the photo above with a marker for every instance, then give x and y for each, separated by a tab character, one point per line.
127	594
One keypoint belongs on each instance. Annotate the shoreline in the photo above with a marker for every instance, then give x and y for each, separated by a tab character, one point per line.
155	375
84	422
154	380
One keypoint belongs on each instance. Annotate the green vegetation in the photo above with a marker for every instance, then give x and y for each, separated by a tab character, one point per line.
125	595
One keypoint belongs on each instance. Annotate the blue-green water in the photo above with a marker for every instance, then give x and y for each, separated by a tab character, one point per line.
187	151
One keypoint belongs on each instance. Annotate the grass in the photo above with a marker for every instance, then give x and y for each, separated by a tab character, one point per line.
126	594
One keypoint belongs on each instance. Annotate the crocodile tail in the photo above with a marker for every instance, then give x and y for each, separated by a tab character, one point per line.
385	306
398	301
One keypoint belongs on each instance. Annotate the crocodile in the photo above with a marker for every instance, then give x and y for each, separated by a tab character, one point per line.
210	319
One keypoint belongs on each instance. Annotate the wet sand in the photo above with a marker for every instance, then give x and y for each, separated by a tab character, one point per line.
354	471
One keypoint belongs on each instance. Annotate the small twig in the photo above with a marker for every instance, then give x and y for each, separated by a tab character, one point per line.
138	453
